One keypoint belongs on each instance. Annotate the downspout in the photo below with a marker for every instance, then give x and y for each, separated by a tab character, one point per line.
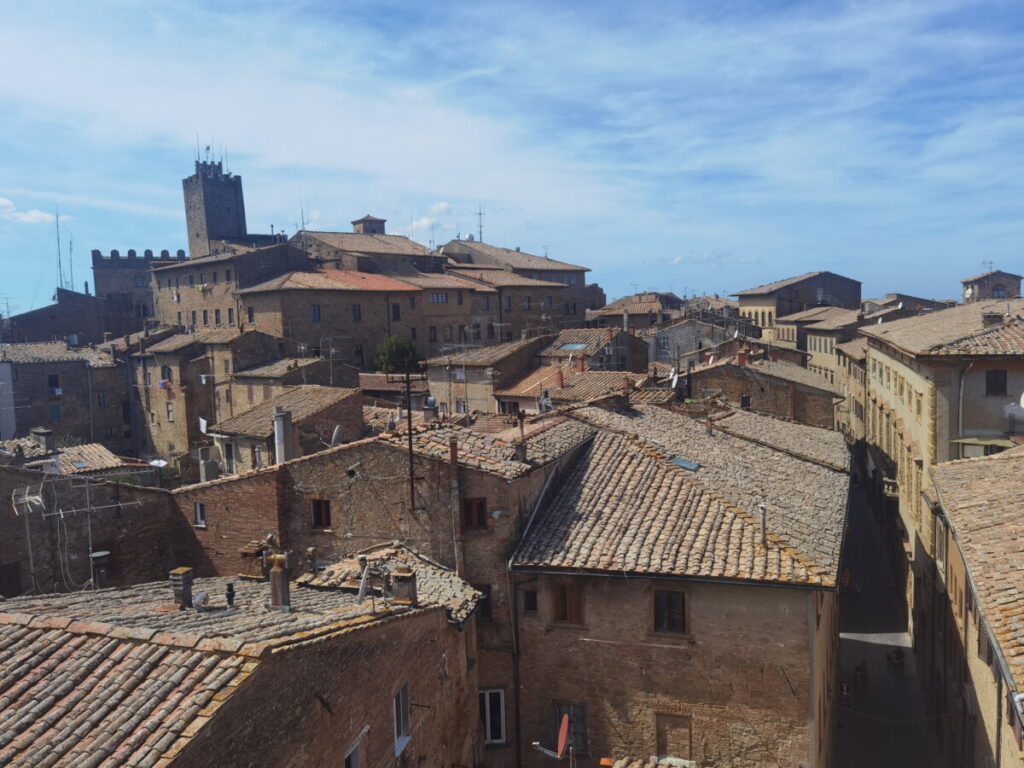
816	745
88	380
960	406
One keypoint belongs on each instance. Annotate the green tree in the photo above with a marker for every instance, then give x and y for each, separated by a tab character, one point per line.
393	352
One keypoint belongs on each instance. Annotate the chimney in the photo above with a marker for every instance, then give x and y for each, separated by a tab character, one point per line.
627	384
559	378
741	358
762	514
311	560
280	599
581	364
709	427
229	594
43	437
775	355
429	409
625	321
988	319
181	583
403	586
611	333
282	434
107	336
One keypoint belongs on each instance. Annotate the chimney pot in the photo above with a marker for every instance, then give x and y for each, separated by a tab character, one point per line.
181	584
559	378
43	438
311	560
709	426
282	434
280	598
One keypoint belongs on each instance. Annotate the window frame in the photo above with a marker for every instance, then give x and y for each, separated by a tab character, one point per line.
198	514
320	514
474	514
485	699
565	594
663	627
402	718
993	384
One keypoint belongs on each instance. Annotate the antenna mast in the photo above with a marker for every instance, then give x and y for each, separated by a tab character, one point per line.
60	261
480	223
71	261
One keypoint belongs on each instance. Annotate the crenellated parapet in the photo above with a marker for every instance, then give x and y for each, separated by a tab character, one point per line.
132	258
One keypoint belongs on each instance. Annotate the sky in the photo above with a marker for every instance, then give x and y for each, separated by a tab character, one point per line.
687	146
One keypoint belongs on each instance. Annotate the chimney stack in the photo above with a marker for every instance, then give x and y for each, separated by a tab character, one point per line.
403	586
311	560
559	378
280	599
429	410
520	451
581	364
627	384
709	426
181	584
43	437
611	333
625	321
282	434
741	358
988	319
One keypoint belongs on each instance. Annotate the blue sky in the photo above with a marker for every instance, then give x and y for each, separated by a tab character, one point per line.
687	146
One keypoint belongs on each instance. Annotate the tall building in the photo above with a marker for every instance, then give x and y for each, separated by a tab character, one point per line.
214	207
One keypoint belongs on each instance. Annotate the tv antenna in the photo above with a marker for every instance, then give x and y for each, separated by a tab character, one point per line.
480	223
990	264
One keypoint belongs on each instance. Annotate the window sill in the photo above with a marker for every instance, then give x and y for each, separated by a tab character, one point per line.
201	527
323	530
496	745
401	744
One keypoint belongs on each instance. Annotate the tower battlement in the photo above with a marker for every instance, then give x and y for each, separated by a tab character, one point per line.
131	258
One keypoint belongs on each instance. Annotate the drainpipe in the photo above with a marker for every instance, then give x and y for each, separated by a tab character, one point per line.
960	406
453	479
88	380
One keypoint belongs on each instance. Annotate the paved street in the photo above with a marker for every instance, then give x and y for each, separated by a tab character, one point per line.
883	724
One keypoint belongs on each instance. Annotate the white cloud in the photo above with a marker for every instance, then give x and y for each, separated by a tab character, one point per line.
439	209
8	212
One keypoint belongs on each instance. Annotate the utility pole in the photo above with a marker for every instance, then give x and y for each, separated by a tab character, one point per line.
480	223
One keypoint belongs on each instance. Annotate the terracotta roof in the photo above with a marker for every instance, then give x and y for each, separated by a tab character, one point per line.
28	446
55	352
390	382
278	368
815	443
492	454
660	396
634	308
592	339
90	458
303	400
234	251
576	386
856	349
445	281
180	341
378	418
151	336
399	245
483	356
983	500
512	258
331	280
1004	339
118	677
805	501
945	331
991	273
502	278
790	281
817	314
435	583
626	508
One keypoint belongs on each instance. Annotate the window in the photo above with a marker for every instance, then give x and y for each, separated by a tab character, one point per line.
227	365
257	457
396	311
54	412
458	298
231	316
508	302
101	399
492	715
170	411
266	391
529	601
432	333
229	457
250	314
998	291
490	330
227	275
474	513
527	302
548	303
403	724
199	514
447	333
191	279
140	282
995	382
483	607
321	510
462	333
248	392
357	313
206	317
412	302
53	381
566	602
314	313
216	317
214	278
179	319
485	302
461	407
165	373
358	357
577	724
202	277
193	318
412	334
669	611
439	298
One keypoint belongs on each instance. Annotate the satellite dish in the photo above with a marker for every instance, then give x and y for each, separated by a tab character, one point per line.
675	380
336	435
1022	400
879	321
673	372
711	360
736	333
968	292
563	736
900	305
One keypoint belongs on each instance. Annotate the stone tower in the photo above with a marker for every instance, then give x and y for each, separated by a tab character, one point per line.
214	208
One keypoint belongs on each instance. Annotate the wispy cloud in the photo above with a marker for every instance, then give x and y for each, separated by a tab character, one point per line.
9	212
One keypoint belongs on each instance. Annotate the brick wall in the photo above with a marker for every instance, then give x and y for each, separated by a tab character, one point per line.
138	536
725	694
778	397
312	705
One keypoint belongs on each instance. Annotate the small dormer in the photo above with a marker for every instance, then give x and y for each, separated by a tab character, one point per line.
369	225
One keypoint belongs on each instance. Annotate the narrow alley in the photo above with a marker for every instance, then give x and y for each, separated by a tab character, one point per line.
883	722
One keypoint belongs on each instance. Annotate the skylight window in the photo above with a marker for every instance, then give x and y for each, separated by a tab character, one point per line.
79	464
573	347
690	465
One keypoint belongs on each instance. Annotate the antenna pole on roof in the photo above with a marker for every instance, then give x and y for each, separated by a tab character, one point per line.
990	264
480	223
408	425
